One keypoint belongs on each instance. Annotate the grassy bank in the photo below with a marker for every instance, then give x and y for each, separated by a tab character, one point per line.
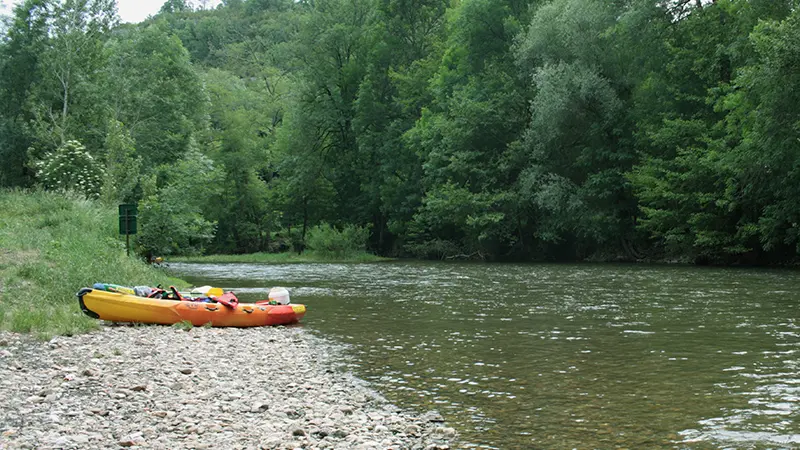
52	245
279	258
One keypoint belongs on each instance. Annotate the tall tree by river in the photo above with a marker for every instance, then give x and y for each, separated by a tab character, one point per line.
509	129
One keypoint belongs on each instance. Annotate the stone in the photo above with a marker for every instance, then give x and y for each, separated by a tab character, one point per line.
412	430
131	440
433	416
144	392
259	407
445	431
340	434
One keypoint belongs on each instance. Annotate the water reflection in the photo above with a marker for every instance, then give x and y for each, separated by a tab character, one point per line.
559	356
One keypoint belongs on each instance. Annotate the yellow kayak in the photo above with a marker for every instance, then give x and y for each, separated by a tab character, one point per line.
117	307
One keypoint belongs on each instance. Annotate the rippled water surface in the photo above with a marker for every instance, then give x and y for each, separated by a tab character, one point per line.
562	356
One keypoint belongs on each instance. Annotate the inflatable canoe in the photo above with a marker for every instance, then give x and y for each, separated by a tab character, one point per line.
117	307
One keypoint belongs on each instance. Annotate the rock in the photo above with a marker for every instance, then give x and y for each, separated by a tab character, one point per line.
445	431
143	391
339	434
259	407
412	430
81	439
131	440
433	416
294	413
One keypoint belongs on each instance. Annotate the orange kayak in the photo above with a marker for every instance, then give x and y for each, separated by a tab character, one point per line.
117	307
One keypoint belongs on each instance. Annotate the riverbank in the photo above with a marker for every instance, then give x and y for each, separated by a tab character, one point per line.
159	387
278	258
51	245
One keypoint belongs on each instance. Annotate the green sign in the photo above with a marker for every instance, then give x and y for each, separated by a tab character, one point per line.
127	219
127	225
128	209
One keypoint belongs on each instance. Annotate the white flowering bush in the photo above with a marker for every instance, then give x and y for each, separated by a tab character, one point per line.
70	167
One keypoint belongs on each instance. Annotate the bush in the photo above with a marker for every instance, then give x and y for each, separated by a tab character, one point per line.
71	168
434	249
328	242
171	220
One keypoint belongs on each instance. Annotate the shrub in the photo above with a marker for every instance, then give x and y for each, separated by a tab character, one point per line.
328	242
71	168
171	219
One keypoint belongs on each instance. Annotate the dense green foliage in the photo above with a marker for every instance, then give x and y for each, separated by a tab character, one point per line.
52	245
330	243
496	129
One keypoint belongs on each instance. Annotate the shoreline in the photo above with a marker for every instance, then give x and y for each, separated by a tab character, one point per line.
278	258
160	387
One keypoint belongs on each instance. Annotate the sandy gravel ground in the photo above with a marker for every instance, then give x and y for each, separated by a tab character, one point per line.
163	388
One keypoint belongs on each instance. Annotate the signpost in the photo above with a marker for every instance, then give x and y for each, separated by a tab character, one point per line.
127	223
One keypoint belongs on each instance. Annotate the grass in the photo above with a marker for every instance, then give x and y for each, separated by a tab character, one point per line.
183	325
280	258
51	245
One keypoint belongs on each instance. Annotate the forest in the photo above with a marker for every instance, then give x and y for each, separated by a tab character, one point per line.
502	130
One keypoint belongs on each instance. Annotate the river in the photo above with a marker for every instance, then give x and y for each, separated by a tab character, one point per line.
561	356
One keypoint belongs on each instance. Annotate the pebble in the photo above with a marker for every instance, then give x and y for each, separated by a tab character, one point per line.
268	387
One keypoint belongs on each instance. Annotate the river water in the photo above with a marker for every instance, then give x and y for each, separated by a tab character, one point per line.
561	356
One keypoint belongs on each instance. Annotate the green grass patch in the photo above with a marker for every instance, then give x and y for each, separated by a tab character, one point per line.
183	325
280	258
51	245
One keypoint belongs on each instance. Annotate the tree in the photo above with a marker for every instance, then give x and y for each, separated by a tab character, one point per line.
702	185
160	98
22	45
580	140
465	136
241	127
763	114
175	6
171	218
65	98
122	166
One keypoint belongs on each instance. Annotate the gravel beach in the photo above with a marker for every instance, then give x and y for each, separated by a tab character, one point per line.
160	387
